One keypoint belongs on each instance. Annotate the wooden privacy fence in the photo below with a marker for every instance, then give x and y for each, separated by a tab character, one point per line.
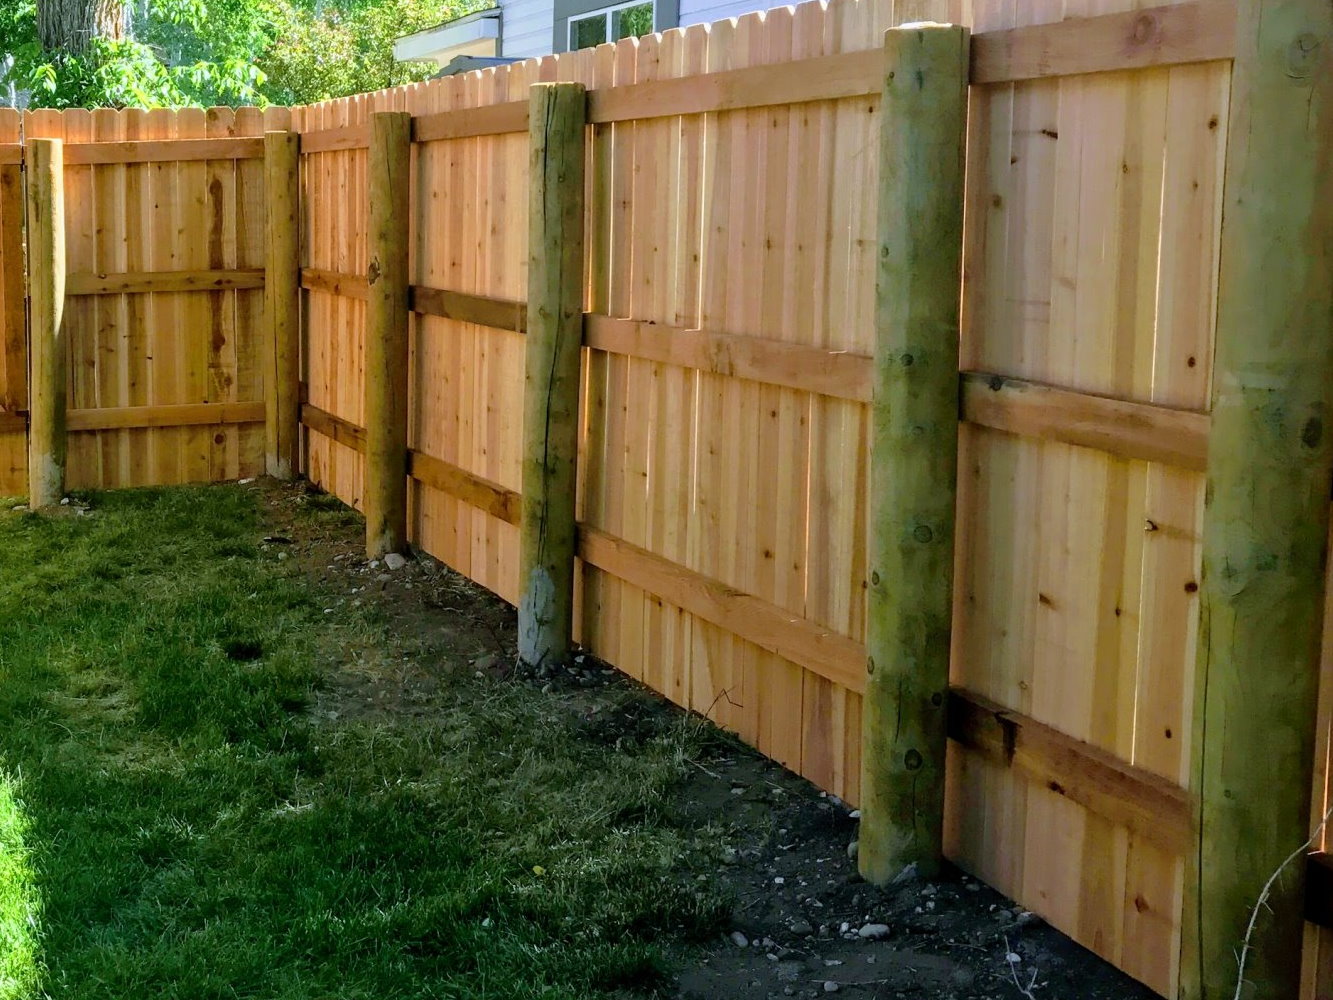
731	390
729	327
163	225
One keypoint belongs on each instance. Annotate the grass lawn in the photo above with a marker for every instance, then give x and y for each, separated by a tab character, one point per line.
176	821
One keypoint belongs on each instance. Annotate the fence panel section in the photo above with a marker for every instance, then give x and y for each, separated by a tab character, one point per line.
164	306
13	321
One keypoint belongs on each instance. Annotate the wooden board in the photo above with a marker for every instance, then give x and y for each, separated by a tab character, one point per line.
165	245
13	330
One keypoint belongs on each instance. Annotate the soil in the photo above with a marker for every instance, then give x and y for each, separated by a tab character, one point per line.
796	927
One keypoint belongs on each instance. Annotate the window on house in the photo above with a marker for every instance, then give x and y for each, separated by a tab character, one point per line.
610	24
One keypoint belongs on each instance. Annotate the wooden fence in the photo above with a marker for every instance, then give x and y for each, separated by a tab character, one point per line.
726	421
732	173
164	229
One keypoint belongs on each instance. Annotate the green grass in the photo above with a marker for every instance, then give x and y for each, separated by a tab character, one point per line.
174	824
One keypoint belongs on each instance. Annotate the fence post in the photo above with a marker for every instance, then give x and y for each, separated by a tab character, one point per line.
282	296
1266	508
557	119
387	334
47	349
914	449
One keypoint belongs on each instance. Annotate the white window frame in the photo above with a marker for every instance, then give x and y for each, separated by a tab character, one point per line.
604	13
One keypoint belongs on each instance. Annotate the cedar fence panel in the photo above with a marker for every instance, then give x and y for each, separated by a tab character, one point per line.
730	282
164	307
701	489
13	328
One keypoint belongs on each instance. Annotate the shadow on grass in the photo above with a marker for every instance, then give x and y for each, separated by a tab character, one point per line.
192	834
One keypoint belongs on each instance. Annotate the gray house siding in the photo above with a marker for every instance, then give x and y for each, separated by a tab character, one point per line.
532	27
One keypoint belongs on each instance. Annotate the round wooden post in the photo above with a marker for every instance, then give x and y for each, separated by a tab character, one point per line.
1266	509
387	334
282	298
47	348
551	390
914	449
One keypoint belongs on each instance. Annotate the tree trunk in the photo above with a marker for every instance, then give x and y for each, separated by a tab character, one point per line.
68	26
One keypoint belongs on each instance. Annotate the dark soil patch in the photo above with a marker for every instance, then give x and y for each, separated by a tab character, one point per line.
782	846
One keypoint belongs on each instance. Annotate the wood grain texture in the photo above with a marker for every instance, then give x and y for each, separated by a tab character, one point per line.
1265	526
168	415
755	620
1118	427
47	345
166	151
552	372
914	451
387	347
1150	806
85	283
1176	34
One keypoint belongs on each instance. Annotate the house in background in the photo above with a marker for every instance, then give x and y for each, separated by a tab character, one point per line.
520	29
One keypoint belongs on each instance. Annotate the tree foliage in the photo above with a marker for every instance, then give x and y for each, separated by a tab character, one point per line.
210	52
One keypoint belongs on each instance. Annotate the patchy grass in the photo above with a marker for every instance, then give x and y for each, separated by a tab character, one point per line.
174	823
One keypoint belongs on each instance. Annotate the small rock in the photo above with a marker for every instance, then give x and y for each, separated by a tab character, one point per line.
394	562
801	928
973	887
1029	919
830	986
779	880
853	849
873	932
374	564
908	874
729	856
854	814
64	501
739	939
844	927
247	482
486	662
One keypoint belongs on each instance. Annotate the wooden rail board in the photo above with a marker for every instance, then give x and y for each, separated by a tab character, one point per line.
11	152
1147	805
164	150
481	493
484	310
1130	430
796	366
89	283
168	415
493	119
477	491
353	286
1171	35
840	659
331	140
334	427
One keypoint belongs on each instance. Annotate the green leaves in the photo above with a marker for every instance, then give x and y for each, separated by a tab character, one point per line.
224	52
